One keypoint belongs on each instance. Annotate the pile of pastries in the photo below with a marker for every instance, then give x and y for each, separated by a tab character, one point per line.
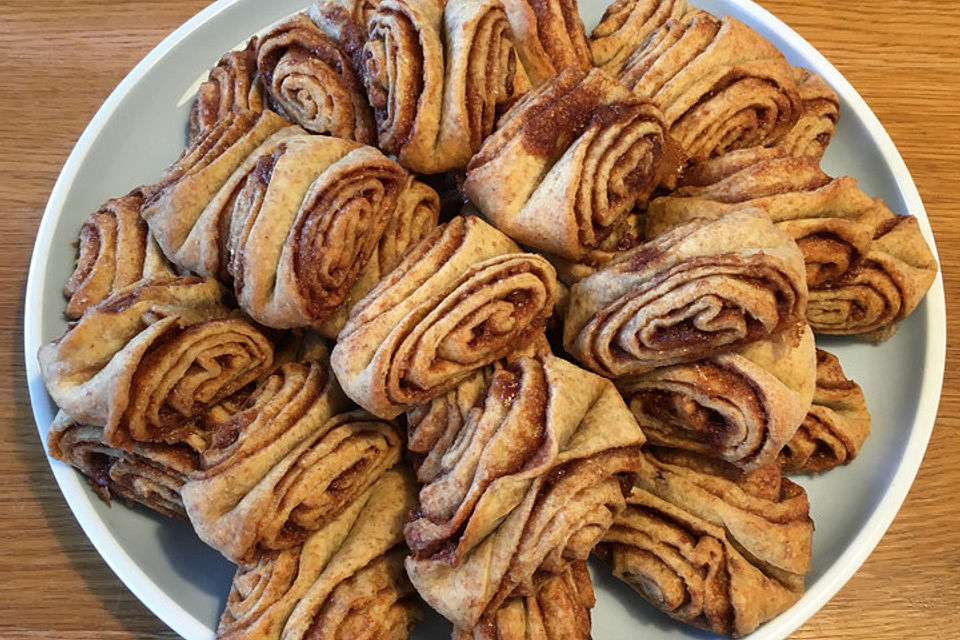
443	297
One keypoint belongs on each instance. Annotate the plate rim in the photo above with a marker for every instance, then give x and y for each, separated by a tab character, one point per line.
79	499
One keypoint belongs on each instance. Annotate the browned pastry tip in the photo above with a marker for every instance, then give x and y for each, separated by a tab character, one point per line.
819	112
549	36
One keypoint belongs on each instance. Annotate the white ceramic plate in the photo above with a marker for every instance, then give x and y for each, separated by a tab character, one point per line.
140	130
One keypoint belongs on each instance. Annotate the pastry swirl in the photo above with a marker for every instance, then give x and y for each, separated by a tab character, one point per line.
558	609
463	297
529	482
819	112
836	426
151	474
232	85
345	579
569	162
684	559
148	361
311	80
549	37
721	86
309	212
114	250
836	225
742	406
283	465
625	25
435	74
173	208
701	289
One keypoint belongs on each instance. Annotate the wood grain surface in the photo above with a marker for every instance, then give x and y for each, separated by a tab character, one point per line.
62	58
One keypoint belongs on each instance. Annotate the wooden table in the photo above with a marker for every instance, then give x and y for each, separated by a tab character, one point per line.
62	58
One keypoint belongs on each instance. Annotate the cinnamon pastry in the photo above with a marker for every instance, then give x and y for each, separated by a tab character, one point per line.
149	360
435	74
173	206
742	406
836	426
309	212
709	546
311	80
344	581
835	224
114	250
625	25
701	289
151	474
284	465
819	112
463	297
569	162
232	85
415	216
529	483
559	609
721	85
344	22
549	36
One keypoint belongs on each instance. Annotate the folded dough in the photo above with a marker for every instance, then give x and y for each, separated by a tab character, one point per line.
701	289
462	298
836	426
742	406
569	162
529	482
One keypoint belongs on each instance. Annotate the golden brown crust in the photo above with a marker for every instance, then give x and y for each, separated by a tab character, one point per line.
836	426
114	250
625	25
151	359
819	112
549	36
151	474
232	85
866	267
742	406
569	162
720	84
527	482
462	298
701	289
435	74
311	80
345	578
